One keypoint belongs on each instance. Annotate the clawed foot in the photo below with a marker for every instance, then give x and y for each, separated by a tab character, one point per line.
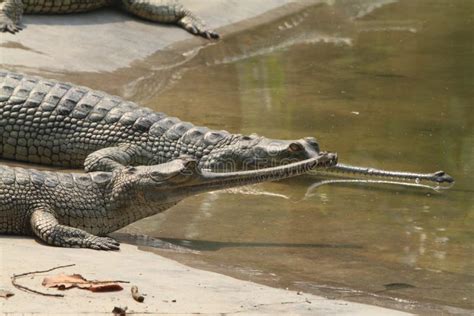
441	176
209	34
7	25
103	243
196	28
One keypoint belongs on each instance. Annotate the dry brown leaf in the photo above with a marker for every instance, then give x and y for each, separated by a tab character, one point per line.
64	282
105	287
6	294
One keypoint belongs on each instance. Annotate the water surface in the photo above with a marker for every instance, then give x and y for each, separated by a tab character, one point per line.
387	85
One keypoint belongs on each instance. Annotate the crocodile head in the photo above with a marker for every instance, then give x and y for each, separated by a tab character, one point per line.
172	181
254	152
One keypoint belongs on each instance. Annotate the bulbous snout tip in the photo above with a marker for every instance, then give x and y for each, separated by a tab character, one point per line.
441	176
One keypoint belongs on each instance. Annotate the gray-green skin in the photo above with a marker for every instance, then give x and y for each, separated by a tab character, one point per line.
162	11
77	210
48	122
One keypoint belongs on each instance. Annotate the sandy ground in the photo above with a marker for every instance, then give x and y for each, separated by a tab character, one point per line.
170	287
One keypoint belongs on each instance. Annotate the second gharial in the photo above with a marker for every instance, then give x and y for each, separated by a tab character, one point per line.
78	210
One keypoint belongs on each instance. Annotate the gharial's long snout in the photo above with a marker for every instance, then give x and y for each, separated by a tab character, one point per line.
207	181
438	176
311	145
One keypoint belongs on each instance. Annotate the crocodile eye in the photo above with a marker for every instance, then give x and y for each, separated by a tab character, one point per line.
295	147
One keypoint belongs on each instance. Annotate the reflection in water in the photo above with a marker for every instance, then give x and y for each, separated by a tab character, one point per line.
316	185
216	245
194	245
201	213
251	190
393	91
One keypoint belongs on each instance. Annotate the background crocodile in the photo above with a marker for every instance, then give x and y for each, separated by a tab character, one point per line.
72	210
47	122
162	11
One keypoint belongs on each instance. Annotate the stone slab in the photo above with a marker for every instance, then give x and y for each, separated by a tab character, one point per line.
109	39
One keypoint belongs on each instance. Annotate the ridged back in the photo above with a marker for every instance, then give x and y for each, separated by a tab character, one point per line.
10	176
64	6
48	122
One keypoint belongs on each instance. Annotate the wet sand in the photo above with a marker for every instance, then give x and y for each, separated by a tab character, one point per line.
170	287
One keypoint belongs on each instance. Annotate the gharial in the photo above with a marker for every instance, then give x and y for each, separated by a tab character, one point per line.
162	11
53	123
73	210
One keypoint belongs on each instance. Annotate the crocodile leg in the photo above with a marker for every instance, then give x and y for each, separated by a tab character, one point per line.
169	11
45	225
11	12
112	158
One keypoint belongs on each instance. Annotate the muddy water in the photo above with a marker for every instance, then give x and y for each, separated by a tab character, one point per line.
388	86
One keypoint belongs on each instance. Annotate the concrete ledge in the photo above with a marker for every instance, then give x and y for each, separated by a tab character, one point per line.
163	280
109	39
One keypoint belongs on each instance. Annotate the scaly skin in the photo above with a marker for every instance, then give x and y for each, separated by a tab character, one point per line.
48	122
161	11
78	210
